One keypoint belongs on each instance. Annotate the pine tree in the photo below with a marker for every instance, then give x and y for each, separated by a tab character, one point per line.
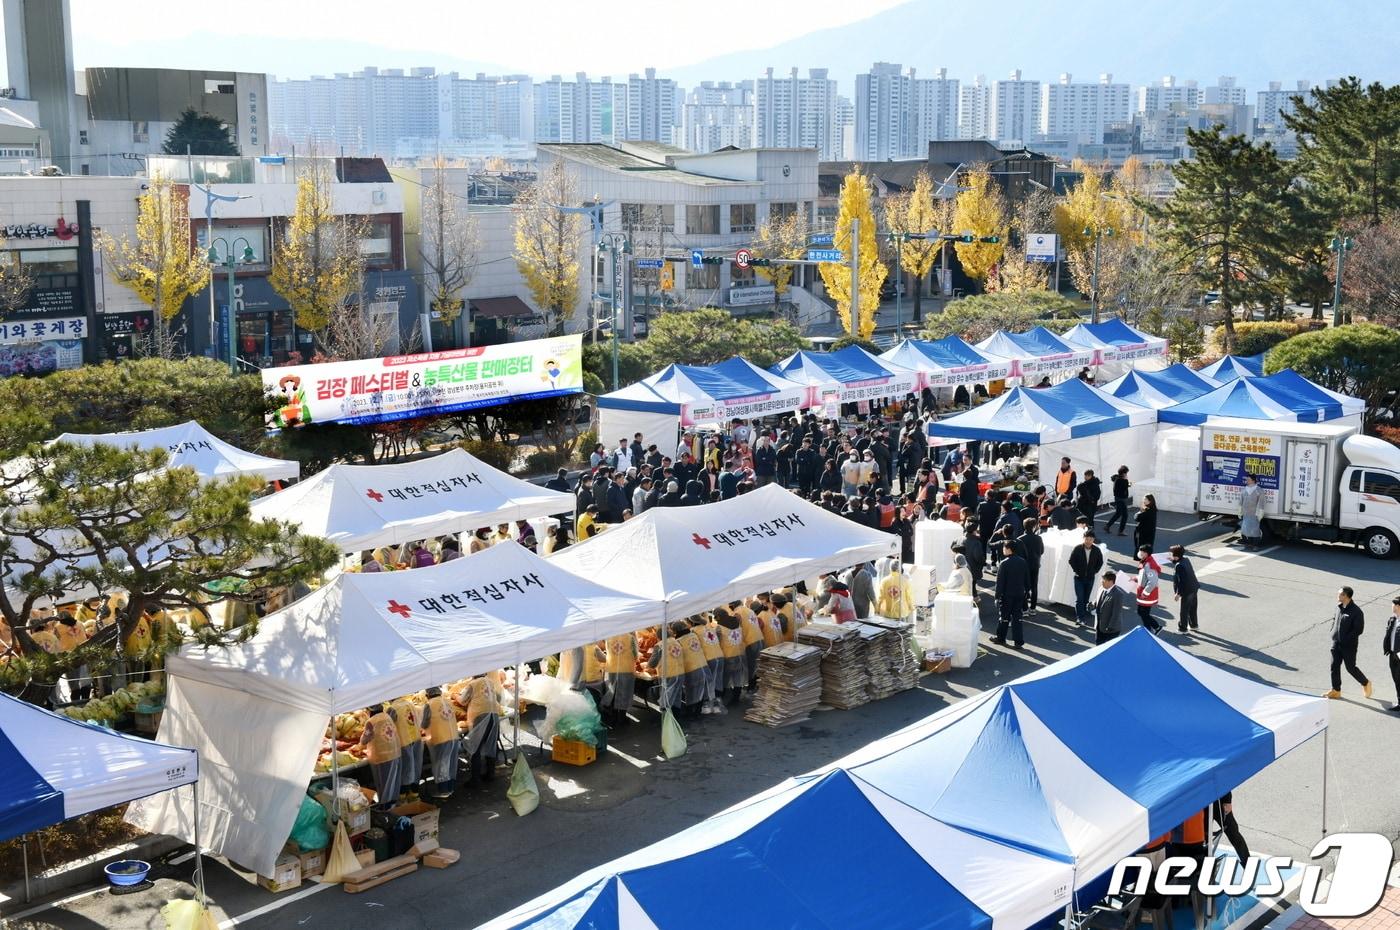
1223	225
1349	149
199	134
856	203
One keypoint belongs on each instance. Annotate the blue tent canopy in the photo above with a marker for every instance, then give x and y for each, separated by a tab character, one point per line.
1251	398
53	768
992	812
949	354
846	365
675	386
1158	389
1236	366
1070	410
1337	405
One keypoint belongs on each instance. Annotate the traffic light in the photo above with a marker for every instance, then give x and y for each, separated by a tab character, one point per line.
967	237
712	260
990	239
759	263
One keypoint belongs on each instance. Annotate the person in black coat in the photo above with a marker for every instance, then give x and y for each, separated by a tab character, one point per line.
1088	493
559	482
987	513
975	553
1085	561
1008	529
1145	527
1031	548
1185	588
1012	587
967	489
694	494
808	465
618	499
1062	517
830	479
1346	636
1390	646
1120	501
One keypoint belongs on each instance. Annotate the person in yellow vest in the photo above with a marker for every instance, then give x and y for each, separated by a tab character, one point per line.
620	667
895	598
587	525
582	669
41	631
408	718
753	640
769	623
693	681
707	632
443	750
381	738
788	615
731	644
481	697
70	635
668	659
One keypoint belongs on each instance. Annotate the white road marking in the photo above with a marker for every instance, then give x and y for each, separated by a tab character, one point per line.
59	903
1220	563
1189	526
275	905
639	763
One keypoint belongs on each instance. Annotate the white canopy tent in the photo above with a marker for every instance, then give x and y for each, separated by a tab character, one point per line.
192	446
694	558
364	506
256	711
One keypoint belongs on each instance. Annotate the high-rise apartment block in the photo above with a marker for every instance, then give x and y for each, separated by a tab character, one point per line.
651	108
1083	111
884	110
975	109
1168	95
1225	91
935	104
797	112
715	116
1274	104
1015	114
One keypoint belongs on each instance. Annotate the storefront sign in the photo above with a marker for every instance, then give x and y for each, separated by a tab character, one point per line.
399	387
16	332
745	408
60	230
754	296
40	358
49	301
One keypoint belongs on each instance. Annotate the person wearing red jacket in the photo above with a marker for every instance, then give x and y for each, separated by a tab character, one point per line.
1149	582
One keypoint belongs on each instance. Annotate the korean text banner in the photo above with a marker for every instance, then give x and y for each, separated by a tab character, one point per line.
378	390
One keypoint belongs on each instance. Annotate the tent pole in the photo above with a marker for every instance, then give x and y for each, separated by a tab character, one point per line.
515	738
335	774
1324	782
198	856
24	849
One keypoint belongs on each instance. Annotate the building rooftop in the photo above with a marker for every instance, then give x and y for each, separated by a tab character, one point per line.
893	176
614	159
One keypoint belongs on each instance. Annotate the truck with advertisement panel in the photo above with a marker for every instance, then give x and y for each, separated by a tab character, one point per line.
1320	480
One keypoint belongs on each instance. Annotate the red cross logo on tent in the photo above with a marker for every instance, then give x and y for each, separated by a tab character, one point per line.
700	541
396	608
374	495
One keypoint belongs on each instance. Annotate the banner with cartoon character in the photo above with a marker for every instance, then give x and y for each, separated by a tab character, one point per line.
378	390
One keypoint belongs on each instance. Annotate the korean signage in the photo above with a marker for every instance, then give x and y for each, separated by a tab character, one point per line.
1047	364
60	230
755	296
760	530
481	594
40	358
399	387
875	388
1226	457
50	301
967	374
16	332
1041	247
745	408
1305	478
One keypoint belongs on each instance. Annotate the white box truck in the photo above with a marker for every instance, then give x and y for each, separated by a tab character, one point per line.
1321	480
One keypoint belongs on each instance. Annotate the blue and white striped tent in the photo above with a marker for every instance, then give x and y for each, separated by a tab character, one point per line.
1158	389
1070	410
1253	398
53	768
1235	366
990	814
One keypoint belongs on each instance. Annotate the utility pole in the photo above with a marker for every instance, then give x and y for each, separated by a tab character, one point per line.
1098	235
1341	245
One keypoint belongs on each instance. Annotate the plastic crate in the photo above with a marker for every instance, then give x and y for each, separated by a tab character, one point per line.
572	752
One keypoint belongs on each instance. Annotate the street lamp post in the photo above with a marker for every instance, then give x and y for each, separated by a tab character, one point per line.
1341	245
1098	234
210	198
617	245
231	266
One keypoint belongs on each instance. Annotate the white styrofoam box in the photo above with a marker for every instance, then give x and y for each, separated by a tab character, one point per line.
933	544
922	583
952	609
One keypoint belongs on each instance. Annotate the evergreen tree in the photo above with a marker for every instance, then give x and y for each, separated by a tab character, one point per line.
1224	225
1349	149
199	134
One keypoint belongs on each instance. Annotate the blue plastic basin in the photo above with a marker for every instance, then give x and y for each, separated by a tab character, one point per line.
125	872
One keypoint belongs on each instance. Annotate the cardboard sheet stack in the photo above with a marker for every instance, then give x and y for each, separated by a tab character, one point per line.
789	684
956	626
843	662
889	657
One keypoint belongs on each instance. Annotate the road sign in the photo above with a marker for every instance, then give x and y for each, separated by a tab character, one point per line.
1041	247
825	255
820	239
650	263
741	258
697	258
666	280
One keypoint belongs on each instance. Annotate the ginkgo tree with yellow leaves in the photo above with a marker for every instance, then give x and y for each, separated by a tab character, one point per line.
781	238
856	209
161	264
918	212
547	244
1094	213
980	212
318	264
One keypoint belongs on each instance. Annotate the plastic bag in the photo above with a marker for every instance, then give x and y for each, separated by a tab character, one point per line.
572	715
523	793
311	829
185	914
672	736
341	862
